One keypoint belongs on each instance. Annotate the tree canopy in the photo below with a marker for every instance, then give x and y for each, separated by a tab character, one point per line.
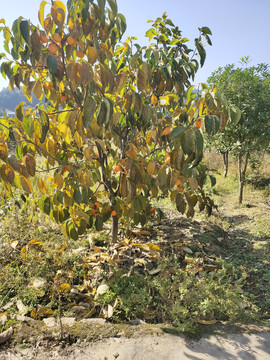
248	88
117	124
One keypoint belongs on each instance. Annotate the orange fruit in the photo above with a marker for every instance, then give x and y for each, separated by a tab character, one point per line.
114	213
152	210
97	205
198	123
117	168
57	38
168	158
71	41
80	54
178	182
166	131
53	48
63	97
180	189
43	39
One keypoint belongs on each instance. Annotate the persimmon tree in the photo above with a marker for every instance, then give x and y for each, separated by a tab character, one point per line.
117	124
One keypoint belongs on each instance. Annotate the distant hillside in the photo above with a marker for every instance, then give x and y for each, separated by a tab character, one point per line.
10	99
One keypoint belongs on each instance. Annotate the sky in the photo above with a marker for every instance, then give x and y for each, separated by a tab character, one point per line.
240	27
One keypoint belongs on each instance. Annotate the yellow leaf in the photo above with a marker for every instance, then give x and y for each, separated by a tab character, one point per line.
206	322
3	151
144	232
60	5
41	12
45	311
151	168
78	140
91	54
59	181
42	185
26	184
24	252
154	100
50	147
35	242
153	247
65	287
37	90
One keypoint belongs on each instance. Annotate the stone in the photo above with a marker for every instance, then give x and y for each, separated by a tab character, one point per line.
94	321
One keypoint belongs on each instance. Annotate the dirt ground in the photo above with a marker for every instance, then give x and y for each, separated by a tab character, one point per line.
248	343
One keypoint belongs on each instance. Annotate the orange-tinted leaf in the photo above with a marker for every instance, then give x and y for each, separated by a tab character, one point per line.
42	185
26	184
3	151
30	164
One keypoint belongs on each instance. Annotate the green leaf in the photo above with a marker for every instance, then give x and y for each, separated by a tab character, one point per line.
189	93
28	125
207	38
44	122
123	24
235	114
213	180
113	6
44	204
99	223
178	131
24	27
88	111
72	231
19	112
180	203
201	51
7	37
208	124
206	30
77	196
52	64
103	116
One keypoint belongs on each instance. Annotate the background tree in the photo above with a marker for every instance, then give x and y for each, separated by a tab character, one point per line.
112	122
248	88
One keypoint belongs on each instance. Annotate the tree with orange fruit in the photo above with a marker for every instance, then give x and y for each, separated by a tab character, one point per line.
117	124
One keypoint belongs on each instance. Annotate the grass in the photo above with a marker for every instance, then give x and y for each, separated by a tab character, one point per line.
197	271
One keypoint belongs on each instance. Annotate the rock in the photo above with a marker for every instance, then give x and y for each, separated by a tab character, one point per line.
50	322
102	289
68	321
6	335
39	283
94	321
3	319
137	322
24	318
21	307
8	305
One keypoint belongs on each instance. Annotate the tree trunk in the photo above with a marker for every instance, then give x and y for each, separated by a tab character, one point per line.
226	162
114	229
242	175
